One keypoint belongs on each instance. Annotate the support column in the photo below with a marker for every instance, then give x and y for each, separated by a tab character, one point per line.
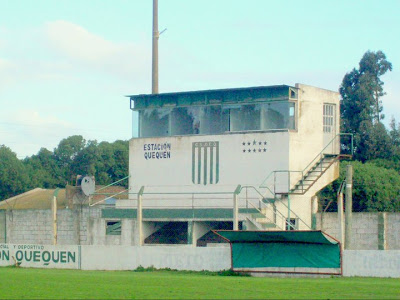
236	208
196	230
382	225
140	217
314	210
54	213
349	207
340	218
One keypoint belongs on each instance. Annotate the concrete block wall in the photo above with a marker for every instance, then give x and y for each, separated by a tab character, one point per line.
34	226
365	230
29	227
393	231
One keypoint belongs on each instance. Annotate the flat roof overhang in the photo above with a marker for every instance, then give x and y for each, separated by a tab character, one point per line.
214	97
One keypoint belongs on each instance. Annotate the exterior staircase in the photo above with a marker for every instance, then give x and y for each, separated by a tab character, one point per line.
314	173
309	176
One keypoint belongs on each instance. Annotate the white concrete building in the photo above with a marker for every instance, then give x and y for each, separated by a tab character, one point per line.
252	156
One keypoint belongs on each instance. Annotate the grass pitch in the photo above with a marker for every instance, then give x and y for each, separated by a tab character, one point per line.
23	283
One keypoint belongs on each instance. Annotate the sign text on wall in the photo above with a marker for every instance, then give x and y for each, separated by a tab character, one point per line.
157	151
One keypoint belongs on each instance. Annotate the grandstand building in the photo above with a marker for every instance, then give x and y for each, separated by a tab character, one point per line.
247	158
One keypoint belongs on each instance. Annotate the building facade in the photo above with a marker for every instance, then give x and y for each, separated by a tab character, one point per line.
252	156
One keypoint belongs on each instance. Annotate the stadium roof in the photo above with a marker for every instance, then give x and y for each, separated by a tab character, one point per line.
210	97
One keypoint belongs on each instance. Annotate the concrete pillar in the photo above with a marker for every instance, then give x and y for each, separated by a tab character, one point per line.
148	228
97	234
236	208
196	230
349	207
127	230
340	218
77	224
314	210
140	217
382	231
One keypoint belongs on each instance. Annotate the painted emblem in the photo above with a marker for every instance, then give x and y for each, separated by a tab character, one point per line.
205	162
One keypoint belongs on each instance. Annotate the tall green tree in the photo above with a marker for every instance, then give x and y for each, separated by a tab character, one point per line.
13	177
361	107
375	188
65	154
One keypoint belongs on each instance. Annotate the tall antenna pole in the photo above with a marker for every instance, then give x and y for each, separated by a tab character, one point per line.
156	35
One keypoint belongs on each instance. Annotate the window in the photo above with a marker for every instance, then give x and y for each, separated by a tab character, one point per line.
244	117
113	228
217	119
278	115
154	122
328	118
185	121
292	224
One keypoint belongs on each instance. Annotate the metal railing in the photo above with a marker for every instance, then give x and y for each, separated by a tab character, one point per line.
276	213
314	162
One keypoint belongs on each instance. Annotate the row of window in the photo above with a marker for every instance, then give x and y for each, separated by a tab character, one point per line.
216	119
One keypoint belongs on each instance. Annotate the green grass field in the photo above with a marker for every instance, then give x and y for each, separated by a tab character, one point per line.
55	284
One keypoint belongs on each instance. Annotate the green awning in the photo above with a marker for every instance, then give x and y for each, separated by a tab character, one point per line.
305	237
254	250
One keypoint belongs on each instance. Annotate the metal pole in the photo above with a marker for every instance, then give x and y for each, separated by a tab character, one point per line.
54	220
349	206
54	211
288	199
340	217
140	216
236	208
156	35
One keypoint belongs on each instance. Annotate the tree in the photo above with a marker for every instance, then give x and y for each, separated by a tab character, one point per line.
374	188
43	170
67	150
372	67
361	106
13	177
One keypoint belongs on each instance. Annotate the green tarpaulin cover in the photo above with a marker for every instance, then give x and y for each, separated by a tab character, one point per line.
282	249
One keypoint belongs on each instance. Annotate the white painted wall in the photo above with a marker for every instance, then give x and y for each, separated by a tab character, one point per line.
286	150
174	174
371	263
40	256
364	263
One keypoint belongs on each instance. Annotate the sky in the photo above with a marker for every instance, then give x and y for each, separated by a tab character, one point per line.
67	65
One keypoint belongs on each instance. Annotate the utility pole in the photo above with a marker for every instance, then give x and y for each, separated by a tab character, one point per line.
156	35
349	206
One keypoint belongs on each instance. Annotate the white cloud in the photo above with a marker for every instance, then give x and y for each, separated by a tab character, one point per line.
82	47
26	131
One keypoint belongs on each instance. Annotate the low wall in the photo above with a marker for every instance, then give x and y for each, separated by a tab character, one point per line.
116	257
370	231
371	263
365	263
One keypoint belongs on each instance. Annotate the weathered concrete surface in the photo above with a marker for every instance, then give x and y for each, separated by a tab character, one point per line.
367	263
368	232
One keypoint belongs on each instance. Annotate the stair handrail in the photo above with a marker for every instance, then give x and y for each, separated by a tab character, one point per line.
320	154
287	223
265	215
